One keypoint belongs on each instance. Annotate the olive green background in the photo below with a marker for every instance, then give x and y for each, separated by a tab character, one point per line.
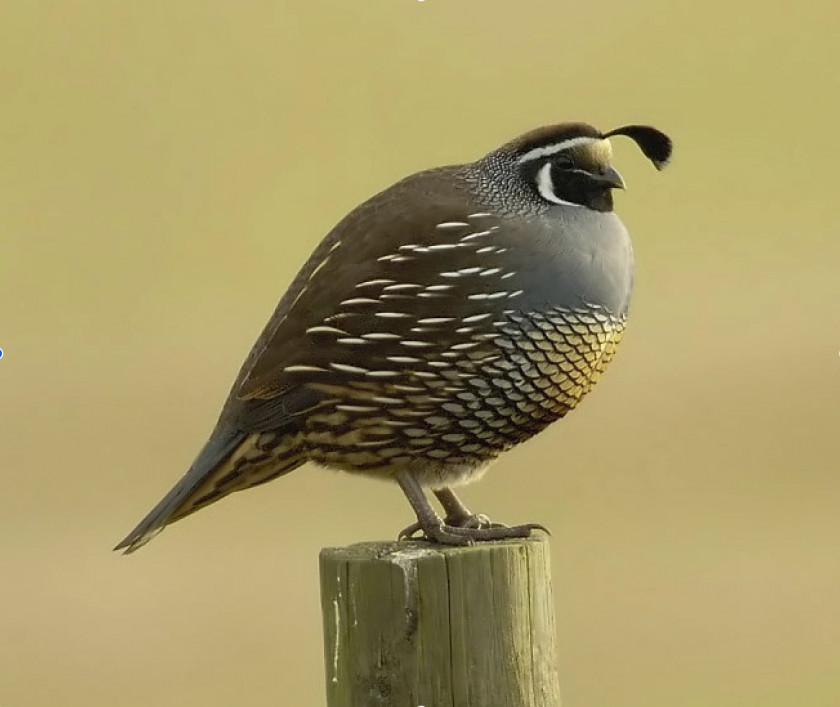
166	166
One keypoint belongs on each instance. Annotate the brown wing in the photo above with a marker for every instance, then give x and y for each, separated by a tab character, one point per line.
343	314
385	274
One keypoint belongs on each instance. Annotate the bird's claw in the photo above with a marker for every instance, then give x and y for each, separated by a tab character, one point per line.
471	520
468	530
409	532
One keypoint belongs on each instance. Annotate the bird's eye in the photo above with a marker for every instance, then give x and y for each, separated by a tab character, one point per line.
563	162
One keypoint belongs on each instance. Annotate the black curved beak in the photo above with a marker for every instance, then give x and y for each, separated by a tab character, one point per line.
609	177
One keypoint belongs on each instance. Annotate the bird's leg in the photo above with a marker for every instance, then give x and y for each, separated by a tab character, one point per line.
457	514
461	526
427	520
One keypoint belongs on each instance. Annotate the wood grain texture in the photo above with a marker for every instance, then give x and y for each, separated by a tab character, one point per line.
410	624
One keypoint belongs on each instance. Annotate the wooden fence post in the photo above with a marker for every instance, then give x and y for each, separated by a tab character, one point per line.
412	624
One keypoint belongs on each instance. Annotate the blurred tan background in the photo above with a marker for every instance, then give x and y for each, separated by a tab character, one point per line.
165	167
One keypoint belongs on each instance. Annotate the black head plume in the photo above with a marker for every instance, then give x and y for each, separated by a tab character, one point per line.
654	144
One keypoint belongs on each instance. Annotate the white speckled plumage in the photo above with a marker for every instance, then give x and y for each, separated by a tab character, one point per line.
443	321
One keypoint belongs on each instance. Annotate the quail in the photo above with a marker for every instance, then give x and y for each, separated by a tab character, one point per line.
443	321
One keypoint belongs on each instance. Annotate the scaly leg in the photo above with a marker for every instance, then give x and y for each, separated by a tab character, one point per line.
461	527
427	520
458	514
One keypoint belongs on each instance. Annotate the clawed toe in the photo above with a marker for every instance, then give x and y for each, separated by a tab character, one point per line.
497	531
480	527
435	533
410	532
471	520
447	534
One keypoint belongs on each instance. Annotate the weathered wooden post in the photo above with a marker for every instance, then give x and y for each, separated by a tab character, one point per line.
410	624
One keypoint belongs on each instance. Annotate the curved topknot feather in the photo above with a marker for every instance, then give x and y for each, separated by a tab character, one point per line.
654	144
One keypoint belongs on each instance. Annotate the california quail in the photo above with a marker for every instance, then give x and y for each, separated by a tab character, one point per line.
443	321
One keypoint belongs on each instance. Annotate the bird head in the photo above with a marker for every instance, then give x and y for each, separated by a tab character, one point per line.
571	163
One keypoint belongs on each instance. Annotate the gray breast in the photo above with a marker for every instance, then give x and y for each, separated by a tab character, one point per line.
573	257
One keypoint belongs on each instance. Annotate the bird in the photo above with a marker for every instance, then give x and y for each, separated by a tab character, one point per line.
440	323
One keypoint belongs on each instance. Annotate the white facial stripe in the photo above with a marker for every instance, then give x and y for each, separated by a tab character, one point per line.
548	150
545	186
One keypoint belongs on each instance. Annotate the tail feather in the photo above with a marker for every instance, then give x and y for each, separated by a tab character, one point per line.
226	464
214	454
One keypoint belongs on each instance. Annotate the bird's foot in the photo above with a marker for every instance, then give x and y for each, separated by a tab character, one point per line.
471	520
435	533
468	530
